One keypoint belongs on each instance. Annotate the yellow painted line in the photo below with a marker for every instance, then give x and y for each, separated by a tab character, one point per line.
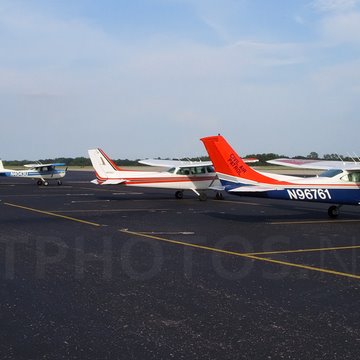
305	267
304	222
176	242
244	255
305	250
52	214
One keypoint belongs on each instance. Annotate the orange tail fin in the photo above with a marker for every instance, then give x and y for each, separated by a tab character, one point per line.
227	161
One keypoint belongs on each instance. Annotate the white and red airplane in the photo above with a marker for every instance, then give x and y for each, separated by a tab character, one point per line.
180	175
43	173
338	185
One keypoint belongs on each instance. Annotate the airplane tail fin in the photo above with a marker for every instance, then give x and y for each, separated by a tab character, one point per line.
1	166
227	162
102	164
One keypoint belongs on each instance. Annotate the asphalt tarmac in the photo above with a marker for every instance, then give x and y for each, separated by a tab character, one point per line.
112	272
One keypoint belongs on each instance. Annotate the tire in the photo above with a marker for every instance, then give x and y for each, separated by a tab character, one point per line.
59	182
39	182
333	211
219	196
46	183
179	194
202	196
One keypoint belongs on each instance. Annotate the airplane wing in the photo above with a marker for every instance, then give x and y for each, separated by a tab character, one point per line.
183	163
37	166
174	163
316	164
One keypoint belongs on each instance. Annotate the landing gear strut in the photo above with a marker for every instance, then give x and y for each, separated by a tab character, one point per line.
334	211
219	196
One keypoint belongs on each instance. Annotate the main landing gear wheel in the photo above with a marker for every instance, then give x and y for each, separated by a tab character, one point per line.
39	182
202	196
179	194
334	211
59	182
46	183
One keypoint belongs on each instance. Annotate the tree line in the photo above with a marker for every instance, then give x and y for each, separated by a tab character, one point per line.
263	158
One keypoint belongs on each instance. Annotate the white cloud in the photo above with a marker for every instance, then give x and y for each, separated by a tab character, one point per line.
73	79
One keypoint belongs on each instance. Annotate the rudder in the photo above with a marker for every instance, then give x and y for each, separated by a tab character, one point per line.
226	161
102	164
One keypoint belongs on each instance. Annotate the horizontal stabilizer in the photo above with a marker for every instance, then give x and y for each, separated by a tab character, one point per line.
108	182
217	188
250	160
253	188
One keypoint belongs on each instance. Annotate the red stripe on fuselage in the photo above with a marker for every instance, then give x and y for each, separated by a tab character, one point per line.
157	180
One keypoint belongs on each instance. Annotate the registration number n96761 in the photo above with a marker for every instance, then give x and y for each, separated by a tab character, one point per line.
309	194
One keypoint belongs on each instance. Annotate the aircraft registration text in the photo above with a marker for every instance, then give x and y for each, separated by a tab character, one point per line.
309	194
19	173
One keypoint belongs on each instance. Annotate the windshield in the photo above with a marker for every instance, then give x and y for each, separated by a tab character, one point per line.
331	173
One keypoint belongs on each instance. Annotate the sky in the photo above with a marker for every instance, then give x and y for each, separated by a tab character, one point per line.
149	78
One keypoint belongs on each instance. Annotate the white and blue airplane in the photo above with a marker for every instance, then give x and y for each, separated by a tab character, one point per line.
43	173
338	185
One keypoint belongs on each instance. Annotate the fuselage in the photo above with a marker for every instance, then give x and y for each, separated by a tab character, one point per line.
198	178
334	186
34	174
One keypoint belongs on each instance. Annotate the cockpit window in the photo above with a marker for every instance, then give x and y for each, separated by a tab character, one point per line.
331	173
171	171
210	169
354	176
199	170
184	171
194	170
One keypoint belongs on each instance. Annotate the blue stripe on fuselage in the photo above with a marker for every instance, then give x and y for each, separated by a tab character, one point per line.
30	174
324	195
